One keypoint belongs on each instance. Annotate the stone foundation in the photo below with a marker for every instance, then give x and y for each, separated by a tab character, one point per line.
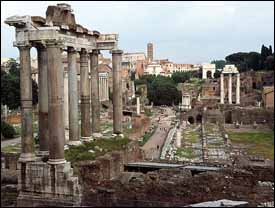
43	184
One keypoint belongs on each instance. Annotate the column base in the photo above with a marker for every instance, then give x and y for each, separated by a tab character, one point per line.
27	157
45	185
56	161
87	139
74	143
96	135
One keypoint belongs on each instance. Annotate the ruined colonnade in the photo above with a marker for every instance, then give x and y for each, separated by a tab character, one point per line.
222	94
51	98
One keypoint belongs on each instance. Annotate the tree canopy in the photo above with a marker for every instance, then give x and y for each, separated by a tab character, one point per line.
10	87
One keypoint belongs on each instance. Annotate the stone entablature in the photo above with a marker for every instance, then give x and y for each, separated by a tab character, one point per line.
230	69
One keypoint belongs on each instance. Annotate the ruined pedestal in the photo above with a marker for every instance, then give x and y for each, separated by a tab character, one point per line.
43	184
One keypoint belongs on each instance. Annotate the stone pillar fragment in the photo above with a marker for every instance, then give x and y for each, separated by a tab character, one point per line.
238	89
95	92
138	106
85	95
66	99
73	98
221	89
230	89
27	142
117	91
43	100
56	111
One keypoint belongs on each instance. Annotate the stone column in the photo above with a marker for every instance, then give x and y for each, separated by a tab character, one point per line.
107	84
56	111
106	88
73	98
178	138
117	91
27	142
95	92
85	95
230	89
138	106
66	99
221	89
238	89
43	100
133	89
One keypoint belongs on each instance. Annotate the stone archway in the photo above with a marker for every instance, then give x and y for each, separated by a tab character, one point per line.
209	74
191	120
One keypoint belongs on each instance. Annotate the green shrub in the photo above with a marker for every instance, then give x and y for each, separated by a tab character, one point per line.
7	130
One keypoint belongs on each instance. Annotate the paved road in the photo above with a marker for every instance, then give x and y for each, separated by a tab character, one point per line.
153	146
9	142
14	141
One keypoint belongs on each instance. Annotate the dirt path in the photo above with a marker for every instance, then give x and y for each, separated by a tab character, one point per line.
153	146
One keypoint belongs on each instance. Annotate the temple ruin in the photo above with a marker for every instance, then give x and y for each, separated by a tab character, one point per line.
45	177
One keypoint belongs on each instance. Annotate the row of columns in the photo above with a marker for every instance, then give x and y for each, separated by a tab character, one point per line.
51	99
222	95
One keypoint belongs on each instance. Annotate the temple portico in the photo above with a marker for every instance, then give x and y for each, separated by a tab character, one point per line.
230	70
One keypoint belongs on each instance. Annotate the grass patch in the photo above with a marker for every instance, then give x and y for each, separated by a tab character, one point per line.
258	143
186	152
12	148
191	137
81	152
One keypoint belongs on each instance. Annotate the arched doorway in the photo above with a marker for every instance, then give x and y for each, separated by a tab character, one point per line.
199	118
191	120
209	74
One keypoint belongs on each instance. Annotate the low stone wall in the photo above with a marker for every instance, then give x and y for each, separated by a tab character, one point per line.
140	125
109	166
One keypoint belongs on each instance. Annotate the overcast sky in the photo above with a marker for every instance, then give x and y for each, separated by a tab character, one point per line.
183	32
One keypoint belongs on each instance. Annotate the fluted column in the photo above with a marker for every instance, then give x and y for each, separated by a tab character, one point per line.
222	89
56	99
230	89
117	91
73	97
95	92
43	100
85	96
238	89
27	142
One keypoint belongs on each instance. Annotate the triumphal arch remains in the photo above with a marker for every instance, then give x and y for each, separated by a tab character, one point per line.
45	177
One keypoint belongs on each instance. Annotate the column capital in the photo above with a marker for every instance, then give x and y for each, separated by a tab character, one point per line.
116	51
83	51
95	51
24	47
71	50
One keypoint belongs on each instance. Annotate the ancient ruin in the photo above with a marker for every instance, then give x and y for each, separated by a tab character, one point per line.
52	180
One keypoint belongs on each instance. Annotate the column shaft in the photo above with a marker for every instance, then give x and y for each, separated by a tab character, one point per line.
230	89
66	99
222	89
56	111
27	142
95	92
238	89
43	99
73	96
85	95
117	91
